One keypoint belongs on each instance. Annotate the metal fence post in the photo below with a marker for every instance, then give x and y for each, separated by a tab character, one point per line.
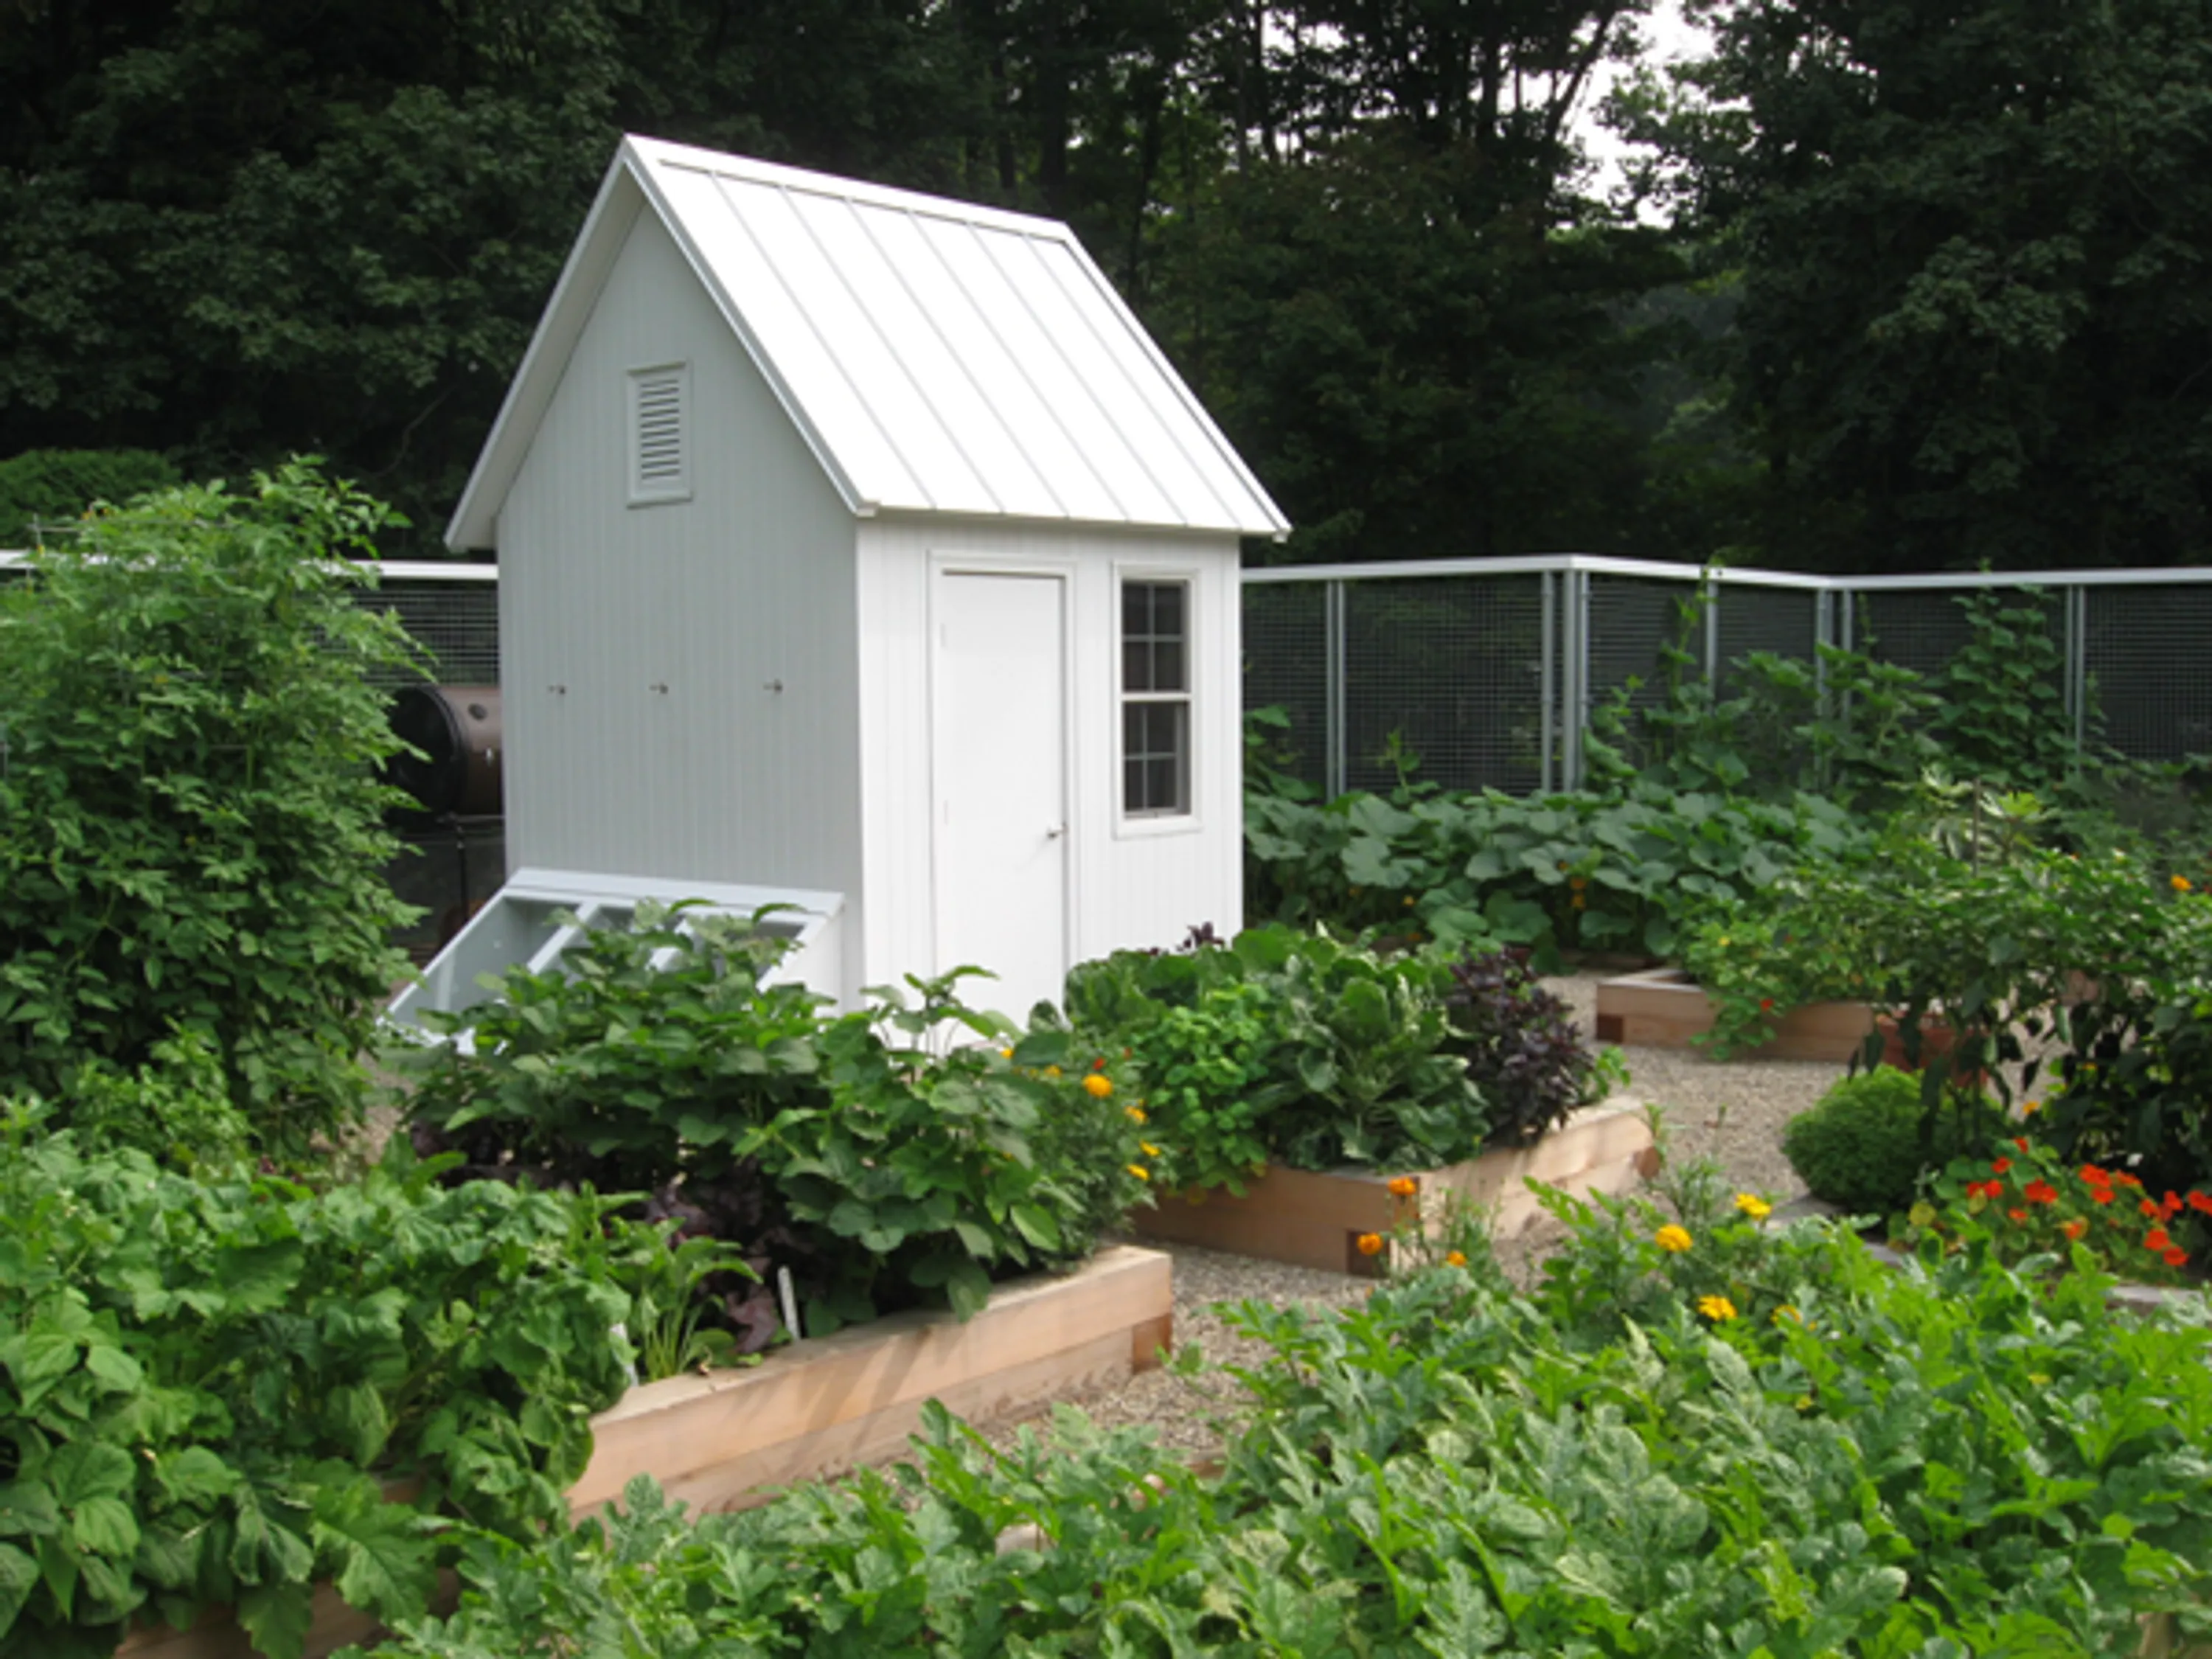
1334	767
2077	661
1709	593
1576	692
1547	722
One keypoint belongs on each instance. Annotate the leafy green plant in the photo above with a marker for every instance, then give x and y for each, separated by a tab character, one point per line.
191	824
1860	1145
209	1381
664	1060
43	489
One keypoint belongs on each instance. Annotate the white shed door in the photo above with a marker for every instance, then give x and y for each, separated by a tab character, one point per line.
1000	765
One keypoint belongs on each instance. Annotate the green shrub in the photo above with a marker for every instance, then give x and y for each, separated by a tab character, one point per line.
55	486
1860	1147
191	822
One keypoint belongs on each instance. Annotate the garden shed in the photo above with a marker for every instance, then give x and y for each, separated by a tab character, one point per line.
859	547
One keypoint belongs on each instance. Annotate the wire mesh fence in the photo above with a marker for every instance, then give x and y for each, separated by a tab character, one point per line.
1489	670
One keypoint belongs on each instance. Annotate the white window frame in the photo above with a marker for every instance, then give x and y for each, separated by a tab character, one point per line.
1186	819
644	492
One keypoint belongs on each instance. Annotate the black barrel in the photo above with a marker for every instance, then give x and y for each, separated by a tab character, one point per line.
457	729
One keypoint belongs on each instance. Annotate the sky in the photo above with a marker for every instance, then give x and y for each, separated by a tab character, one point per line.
1672	39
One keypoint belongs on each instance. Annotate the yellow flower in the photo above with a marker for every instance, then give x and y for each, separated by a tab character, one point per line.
1148	1148
1138	1170
1785	1311
1754	1205
2030	1108
1006	1054
1099	1085
1051	1071
1409	901
1454	1259
2181	884
1673	1239
1370	1244
1136	1113
1804	1402
1718	1308
1722	943
1404	1185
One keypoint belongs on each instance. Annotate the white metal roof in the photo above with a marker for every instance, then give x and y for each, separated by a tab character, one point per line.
938	357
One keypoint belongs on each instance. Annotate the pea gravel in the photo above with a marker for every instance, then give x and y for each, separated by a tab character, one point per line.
1732	1113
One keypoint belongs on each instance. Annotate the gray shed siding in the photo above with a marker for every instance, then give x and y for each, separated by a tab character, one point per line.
747	584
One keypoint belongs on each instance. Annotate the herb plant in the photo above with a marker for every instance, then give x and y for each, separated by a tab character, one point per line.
1523	1051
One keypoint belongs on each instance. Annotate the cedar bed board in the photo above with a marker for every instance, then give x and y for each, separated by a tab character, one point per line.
1664	1009
727	1439
1314	1218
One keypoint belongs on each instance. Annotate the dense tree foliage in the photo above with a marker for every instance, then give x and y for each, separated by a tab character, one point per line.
1973	239
1949	306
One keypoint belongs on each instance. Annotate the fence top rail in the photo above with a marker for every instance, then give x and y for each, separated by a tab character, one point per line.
1651	569
1531	564
434	571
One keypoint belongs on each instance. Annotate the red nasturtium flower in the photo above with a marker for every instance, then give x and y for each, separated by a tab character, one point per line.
2101	1194
2095	1177
2000	1166
2175	1257
2150	1211
2020	1142
2017	1215
2172	1205
2040	1192
1766	1005
2126	1180
2075	1228
2156	1240
2200	1204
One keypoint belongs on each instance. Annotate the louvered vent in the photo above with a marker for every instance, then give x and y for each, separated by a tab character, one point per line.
659	466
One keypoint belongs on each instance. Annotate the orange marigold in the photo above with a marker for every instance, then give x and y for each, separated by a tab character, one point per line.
1454	1259
1404	1185
1370	1244
1098	1084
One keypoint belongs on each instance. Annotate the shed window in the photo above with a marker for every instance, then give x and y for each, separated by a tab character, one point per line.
1155	699
659	429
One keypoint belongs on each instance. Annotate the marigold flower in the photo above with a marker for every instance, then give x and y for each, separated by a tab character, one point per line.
1370	1244
1454	1259
1051	1071
1754	1205
1404	1185
1718	1308
1673	1239
2000	1166
2040	1192
2181	884
1148	1148
1138	1170
1006	1054
1136	1113
1578	903
2177	1257
2030	1108
2075	1228
1099	1085
2156	1242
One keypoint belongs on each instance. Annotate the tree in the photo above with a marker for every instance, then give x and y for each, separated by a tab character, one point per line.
1972	237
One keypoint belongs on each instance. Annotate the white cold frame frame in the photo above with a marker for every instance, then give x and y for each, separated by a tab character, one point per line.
659	432
1188	819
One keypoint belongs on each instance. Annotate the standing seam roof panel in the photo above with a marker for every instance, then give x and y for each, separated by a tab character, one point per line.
827	402
851	237
1181	467
915	248
842	314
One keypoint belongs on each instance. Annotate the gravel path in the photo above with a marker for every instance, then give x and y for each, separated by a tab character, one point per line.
1732	1113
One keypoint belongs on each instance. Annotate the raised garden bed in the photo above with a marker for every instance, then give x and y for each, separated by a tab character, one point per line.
728	1439
1314	1219
725	1440
1664	1008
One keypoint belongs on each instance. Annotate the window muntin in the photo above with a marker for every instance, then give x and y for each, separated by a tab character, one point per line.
1156	698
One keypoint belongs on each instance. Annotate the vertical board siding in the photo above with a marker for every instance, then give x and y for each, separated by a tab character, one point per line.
1144	889
748	583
